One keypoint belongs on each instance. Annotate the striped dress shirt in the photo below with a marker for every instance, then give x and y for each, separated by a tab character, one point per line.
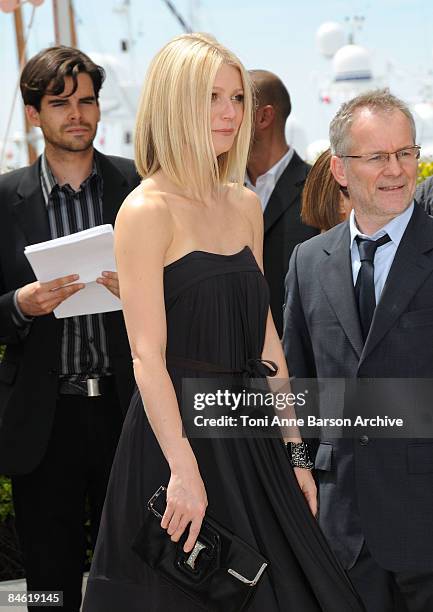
84	351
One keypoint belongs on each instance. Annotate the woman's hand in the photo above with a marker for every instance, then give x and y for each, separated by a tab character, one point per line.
308	487
186	503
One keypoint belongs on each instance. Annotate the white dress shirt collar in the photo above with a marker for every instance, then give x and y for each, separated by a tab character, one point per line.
395	228
265	183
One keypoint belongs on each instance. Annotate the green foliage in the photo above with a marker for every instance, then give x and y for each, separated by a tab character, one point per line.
11	565
10	556
6	507
425	169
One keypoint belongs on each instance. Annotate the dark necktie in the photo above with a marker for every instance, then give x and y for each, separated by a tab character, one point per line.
364	288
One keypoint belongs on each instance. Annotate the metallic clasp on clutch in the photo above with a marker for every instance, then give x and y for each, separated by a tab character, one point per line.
252	582
153	499
198	547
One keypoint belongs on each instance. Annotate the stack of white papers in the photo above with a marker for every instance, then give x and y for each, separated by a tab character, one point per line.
86	253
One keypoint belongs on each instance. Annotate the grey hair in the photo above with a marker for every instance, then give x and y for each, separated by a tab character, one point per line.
377	100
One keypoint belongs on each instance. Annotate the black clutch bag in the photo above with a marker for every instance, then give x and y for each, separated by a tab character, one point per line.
220	573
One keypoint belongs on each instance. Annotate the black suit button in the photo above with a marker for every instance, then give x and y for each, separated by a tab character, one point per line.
364	440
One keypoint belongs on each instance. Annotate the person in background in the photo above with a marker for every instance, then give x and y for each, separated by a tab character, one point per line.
424	194
325	203
65	384
277	174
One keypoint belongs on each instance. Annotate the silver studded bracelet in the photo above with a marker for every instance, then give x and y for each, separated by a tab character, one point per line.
299	455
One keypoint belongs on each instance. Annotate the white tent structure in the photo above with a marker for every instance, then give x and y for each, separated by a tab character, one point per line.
119	101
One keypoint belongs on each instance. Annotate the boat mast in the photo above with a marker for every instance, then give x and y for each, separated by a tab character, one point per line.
64	23
173	10
22	59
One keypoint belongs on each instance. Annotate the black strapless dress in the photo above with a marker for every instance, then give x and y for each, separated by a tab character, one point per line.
216	313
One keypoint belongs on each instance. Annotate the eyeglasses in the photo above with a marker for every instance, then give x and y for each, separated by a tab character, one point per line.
404	156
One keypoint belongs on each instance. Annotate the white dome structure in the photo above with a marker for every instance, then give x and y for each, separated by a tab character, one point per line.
330	37
315	149
352	63
424	110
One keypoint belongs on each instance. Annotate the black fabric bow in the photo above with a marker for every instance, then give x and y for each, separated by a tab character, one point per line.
260	367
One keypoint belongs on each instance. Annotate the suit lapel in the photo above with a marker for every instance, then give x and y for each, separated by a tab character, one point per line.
29	209
335	275
286	190
410	268
115	187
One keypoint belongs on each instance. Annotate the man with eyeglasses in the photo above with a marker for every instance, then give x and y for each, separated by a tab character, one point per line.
359	305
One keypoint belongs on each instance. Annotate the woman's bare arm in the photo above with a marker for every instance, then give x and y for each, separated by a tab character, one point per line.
144	231
272	348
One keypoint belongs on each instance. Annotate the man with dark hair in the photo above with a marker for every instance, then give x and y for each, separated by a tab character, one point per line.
277	174
45	74
359	307
65	384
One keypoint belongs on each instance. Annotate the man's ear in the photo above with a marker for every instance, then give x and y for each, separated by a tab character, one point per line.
264	117
338	170
33	115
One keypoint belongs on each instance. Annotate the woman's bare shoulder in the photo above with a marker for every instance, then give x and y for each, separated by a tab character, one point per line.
145	199
145	211
146	204
247	202
243	198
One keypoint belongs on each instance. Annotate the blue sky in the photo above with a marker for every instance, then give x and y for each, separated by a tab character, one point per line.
278	35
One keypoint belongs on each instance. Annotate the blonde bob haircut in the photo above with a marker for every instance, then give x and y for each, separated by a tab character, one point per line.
173	130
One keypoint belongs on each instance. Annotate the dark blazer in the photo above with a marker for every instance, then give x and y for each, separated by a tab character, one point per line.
378	489
283	231
29	371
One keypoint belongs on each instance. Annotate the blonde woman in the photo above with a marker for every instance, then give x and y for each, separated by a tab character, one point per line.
189	253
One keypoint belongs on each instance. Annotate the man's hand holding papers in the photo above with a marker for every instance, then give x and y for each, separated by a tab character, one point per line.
36	299
90	255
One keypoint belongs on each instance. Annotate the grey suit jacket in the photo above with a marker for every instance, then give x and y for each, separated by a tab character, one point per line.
378	489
